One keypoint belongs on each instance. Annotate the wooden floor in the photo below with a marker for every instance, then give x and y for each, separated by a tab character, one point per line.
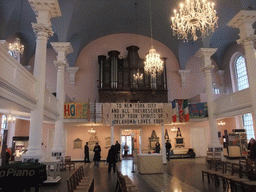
180	175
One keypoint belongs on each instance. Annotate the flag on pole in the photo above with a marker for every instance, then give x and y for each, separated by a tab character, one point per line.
174	109
186	111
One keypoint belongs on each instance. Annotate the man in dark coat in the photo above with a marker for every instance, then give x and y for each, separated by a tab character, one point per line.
97	156
253	150
111	159
168	147
118	148
86	153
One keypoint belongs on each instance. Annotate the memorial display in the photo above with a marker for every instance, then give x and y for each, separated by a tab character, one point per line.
153	140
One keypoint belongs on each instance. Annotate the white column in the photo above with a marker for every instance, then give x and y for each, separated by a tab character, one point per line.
163	144
62	48
206	54
43	30
244	20
112	134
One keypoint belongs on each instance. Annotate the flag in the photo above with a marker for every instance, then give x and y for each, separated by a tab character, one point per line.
180	104
186	111
174	116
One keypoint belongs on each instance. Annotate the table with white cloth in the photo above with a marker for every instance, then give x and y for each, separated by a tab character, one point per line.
150	163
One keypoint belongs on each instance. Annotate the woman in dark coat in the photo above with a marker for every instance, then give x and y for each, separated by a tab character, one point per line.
112	159
97	156
157	149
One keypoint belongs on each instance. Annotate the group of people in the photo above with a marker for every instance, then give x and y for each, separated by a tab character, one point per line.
112	158
168	147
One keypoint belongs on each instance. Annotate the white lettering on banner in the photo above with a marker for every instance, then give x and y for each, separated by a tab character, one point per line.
138	113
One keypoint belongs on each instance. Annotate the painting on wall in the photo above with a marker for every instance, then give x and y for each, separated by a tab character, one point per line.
77	143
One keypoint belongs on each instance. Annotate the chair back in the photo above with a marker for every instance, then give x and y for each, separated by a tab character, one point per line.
67	158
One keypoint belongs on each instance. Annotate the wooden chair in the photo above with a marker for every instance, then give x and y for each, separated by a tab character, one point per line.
211	171
68	163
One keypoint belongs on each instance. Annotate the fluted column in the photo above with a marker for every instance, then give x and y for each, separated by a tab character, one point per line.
244	20
44	11
205	54
62	48
163	145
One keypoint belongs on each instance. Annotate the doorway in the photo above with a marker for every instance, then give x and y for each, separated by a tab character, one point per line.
132	138
198	141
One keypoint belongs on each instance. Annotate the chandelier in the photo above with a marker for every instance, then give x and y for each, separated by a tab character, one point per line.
153	64
194	20
138	76
16	49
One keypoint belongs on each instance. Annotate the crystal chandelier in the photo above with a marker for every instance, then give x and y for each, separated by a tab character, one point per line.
194	20
138	76
153	64
16	49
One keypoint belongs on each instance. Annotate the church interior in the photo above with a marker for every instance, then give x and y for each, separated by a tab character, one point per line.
75	71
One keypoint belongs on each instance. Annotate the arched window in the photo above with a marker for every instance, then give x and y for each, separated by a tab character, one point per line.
240	82
241	73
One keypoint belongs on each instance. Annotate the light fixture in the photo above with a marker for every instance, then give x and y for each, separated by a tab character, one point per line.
16	49
221	123
153	64
91	130
194	20
138	76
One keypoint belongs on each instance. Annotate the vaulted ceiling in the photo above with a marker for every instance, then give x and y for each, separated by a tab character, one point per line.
83	21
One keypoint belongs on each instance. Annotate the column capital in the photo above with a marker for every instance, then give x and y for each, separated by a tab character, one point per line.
207	69
250	39
183	74
42	30
52	6
244	16
205	52
72	74
62	48
60	64
243	21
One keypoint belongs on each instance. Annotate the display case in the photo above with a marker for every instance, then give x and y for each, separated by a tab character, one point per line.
237	145
20	145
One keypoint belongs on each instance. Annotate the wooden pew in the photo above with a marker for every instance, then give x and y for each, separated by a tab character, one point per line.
77	182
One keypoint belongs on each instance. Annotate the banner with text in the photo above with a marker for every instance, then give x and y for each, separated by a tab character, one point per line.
139	113
77	111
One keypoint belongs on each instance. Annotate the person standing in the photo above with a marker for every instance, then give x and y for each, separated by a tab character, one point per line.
157	148
168	147
118	148
253	149
111	159
6	157
97	156
86	153
126	149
